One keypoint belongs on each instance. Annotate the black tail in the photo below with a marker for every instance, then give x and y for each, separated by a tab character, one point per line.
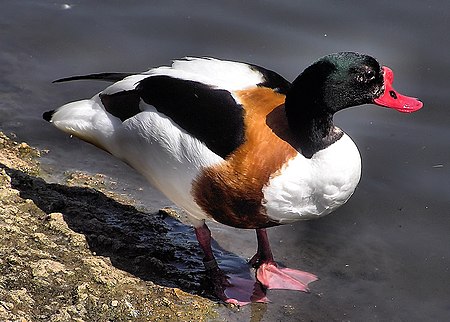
109	77
48	115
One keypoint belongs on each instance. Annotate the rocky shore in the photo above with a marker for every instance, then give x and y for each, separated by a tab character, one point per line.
77	251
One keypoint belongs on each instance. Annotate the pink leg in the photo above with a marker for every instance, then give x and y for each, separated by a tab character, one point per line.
272	276
232	290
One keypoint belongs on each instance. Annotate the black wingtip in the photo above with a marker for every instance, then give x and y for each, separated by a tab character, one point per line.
48	115
58	80
108	77
71	78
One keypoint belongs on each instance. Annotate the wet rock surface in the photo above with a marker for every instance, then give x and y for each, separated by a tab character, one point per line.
69	252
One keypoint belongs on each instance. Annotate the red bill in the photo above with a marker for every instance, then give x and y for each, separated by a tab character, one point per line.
393	99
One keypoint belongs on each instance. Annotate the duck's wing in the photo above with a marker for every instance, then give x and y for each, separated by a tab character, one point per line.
198	94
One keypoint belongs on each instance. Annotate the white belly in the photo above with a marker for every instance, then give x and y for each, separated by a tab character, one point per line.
310	188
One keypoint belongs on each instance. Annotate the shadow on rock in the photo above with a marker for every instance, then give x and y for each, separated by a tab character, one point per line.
153	247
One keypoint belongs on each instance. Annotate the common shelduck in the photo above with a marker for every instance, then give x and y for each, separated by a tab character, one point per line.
237	143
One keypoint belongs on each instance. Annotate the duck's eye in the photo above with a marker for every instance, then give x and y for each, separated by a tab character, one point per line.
366	76
360	78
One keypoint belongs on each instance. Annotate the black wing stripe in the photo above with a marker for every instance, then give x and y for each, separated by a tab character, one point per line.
211	115
123	104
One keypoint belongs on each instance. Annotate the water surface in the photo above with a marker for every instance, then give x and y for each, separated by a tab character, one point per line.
385	255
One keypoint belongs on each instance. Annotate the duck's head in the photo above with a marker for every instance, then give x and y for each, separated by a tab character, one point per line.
331	84
343	80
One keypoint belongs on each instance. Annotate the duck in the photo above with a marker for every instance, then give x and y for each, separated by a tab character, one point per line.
238	144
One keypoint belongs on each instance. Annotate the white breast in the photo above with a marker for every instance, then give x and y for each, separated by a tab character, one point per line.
310	188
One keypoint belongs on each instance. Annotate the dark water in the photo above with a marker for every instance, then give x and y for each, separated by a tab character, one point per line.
385	255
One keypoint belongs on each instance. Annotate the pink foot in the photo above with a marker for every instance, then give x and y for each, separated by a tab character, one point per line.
274	277
242	291
236	290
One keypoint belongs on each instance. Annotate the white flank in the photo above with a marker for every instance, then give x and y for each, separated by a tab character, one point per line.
310	188
165	154
168	157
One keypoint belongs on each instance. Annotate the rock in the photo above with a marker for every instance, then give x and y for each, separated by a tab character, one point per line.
50	235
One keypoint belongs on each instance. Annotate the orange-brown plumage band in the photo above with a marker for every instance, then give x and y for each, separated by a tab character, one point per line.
231	192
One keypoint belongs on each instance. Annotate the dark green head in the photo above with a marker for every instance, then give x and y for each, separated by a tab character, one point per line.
337	81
